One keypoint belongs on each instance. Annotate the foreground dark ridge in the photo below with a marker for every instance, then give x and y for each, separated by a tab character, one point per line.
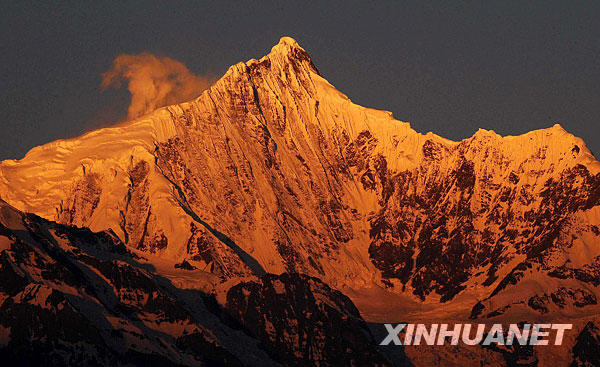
73	297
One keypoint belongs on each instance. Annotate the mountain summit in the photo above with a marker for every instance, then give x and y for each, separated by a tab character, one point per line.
272	170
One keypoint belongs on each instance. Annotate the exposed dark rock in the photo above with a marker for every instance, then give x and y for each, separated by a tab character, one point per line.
585	351
302	321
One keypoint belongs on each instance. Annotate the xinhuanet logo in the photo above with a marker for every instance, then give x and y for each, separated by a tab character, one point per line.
473	334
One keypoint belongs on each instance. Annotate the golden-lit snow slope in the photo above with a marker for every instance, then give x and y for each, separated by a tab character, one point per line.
273	169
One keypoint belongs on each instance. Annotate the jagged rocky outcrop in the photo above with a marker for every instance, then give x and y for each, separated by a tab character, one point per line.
69	296
73	297
273	170
585	351
282	312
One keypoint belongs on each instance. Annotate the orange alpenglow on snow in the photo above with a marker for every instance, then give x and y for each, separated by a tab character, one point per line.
272	169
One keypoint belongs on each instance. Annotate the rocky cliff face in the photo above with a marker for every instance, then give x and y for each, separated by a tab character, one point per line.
585	351
70	296
282	311
272	170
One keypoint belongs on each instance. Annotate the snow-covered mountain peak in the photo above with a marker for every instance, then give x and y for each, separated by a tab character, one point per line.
285	60
483	133
288	56
554	145
285	45
273	169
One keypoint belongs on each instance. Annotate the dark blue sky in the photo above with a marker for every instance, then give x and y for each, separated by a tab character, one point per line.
448	67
